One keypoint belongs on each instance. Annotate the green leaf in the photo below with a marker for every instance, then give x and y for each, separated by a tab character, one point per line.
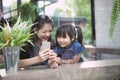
18	36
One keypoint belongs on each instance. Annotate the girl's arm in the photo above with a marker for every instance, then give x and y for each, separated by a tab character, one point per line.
71	61
68	61
58	60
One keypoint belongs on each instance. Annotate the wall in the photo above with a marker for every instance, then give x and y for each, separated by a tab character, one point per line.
103	10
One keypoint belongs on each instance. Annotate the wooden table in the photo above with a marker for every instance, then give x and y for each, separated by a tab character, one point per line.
91	70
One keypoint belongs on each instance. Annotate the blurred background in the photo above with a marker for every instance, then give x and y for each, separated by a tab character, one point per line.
61	11
93	16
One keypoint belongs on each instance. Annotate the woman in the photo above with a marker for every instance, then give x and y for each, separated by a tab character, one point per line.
34	54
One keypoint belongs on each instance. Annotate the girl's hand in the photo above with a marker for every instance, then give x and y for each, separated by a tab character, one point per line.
52	55
44	55
57	60
52	64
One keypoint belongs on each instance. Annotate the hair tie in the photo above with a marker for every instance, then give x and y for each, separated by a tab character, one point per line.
76	32
43	16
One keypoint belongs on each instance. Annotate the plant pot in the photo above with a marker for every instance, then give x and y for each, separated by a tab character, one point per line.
11	57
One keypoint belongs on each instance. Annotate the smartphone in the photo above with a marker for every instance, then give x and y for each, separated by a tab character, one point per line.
45	45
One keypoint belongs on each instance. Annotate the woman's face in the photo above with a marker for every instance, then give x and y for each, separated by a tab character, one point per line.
45	32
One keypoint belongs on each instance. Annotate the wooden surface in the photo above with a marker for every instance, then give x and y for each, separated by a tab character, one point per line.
93	49
91	70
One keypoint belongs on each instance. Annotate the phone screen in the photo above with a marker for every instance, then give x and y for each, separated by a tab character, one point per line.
45	45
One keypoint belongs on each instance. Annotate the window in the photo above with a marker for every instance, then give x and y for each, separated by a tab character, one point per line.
9	8
76	11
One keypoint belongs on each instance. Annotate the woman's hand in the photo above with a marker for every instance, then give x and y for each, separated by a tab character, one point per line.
44	55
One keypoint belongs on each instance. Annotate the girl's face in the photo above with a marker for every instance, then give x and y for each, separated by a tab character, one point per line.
45	32
64	42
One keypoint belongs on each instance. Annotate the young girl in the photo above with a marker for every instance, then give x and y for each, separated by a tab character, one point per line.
68	45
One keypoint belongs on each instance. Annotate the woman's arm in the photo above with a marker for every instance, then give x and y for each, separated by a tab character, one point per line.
43	55
29	61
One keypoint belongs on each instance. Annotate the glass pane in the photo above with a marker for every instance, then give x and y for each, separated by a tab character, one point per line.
24	1
14	13
13	4
7	15
9	5
72	11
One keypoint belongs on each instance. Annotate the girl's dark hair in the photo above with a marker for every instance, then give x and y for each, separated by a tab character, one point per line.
38	24
65	29
79	35
72	31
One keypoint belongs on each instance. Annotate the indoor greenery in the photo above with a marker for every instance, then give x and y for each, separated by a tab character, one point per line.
28	11
16	35
114	16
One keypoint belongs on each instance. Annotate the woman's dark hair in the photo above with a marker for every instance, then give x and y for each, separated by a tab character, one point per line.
38	24
41	20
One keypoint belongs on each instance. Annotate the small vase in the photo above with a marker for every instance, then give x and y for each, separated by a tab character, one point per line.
11	57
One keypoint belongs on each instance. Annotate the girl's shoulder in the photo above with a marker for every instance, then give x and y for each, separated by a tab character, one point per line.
78	47
76	43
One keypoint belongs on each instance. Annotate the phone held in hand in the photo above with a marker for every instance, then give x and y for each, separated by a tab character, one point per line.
45	45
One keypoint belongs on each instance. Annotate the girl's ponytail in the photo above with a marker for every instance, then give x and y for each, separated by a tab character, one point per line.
79	35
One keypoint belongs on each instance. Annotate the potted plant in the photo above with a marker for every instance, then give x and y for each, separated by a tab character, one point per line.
11	40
